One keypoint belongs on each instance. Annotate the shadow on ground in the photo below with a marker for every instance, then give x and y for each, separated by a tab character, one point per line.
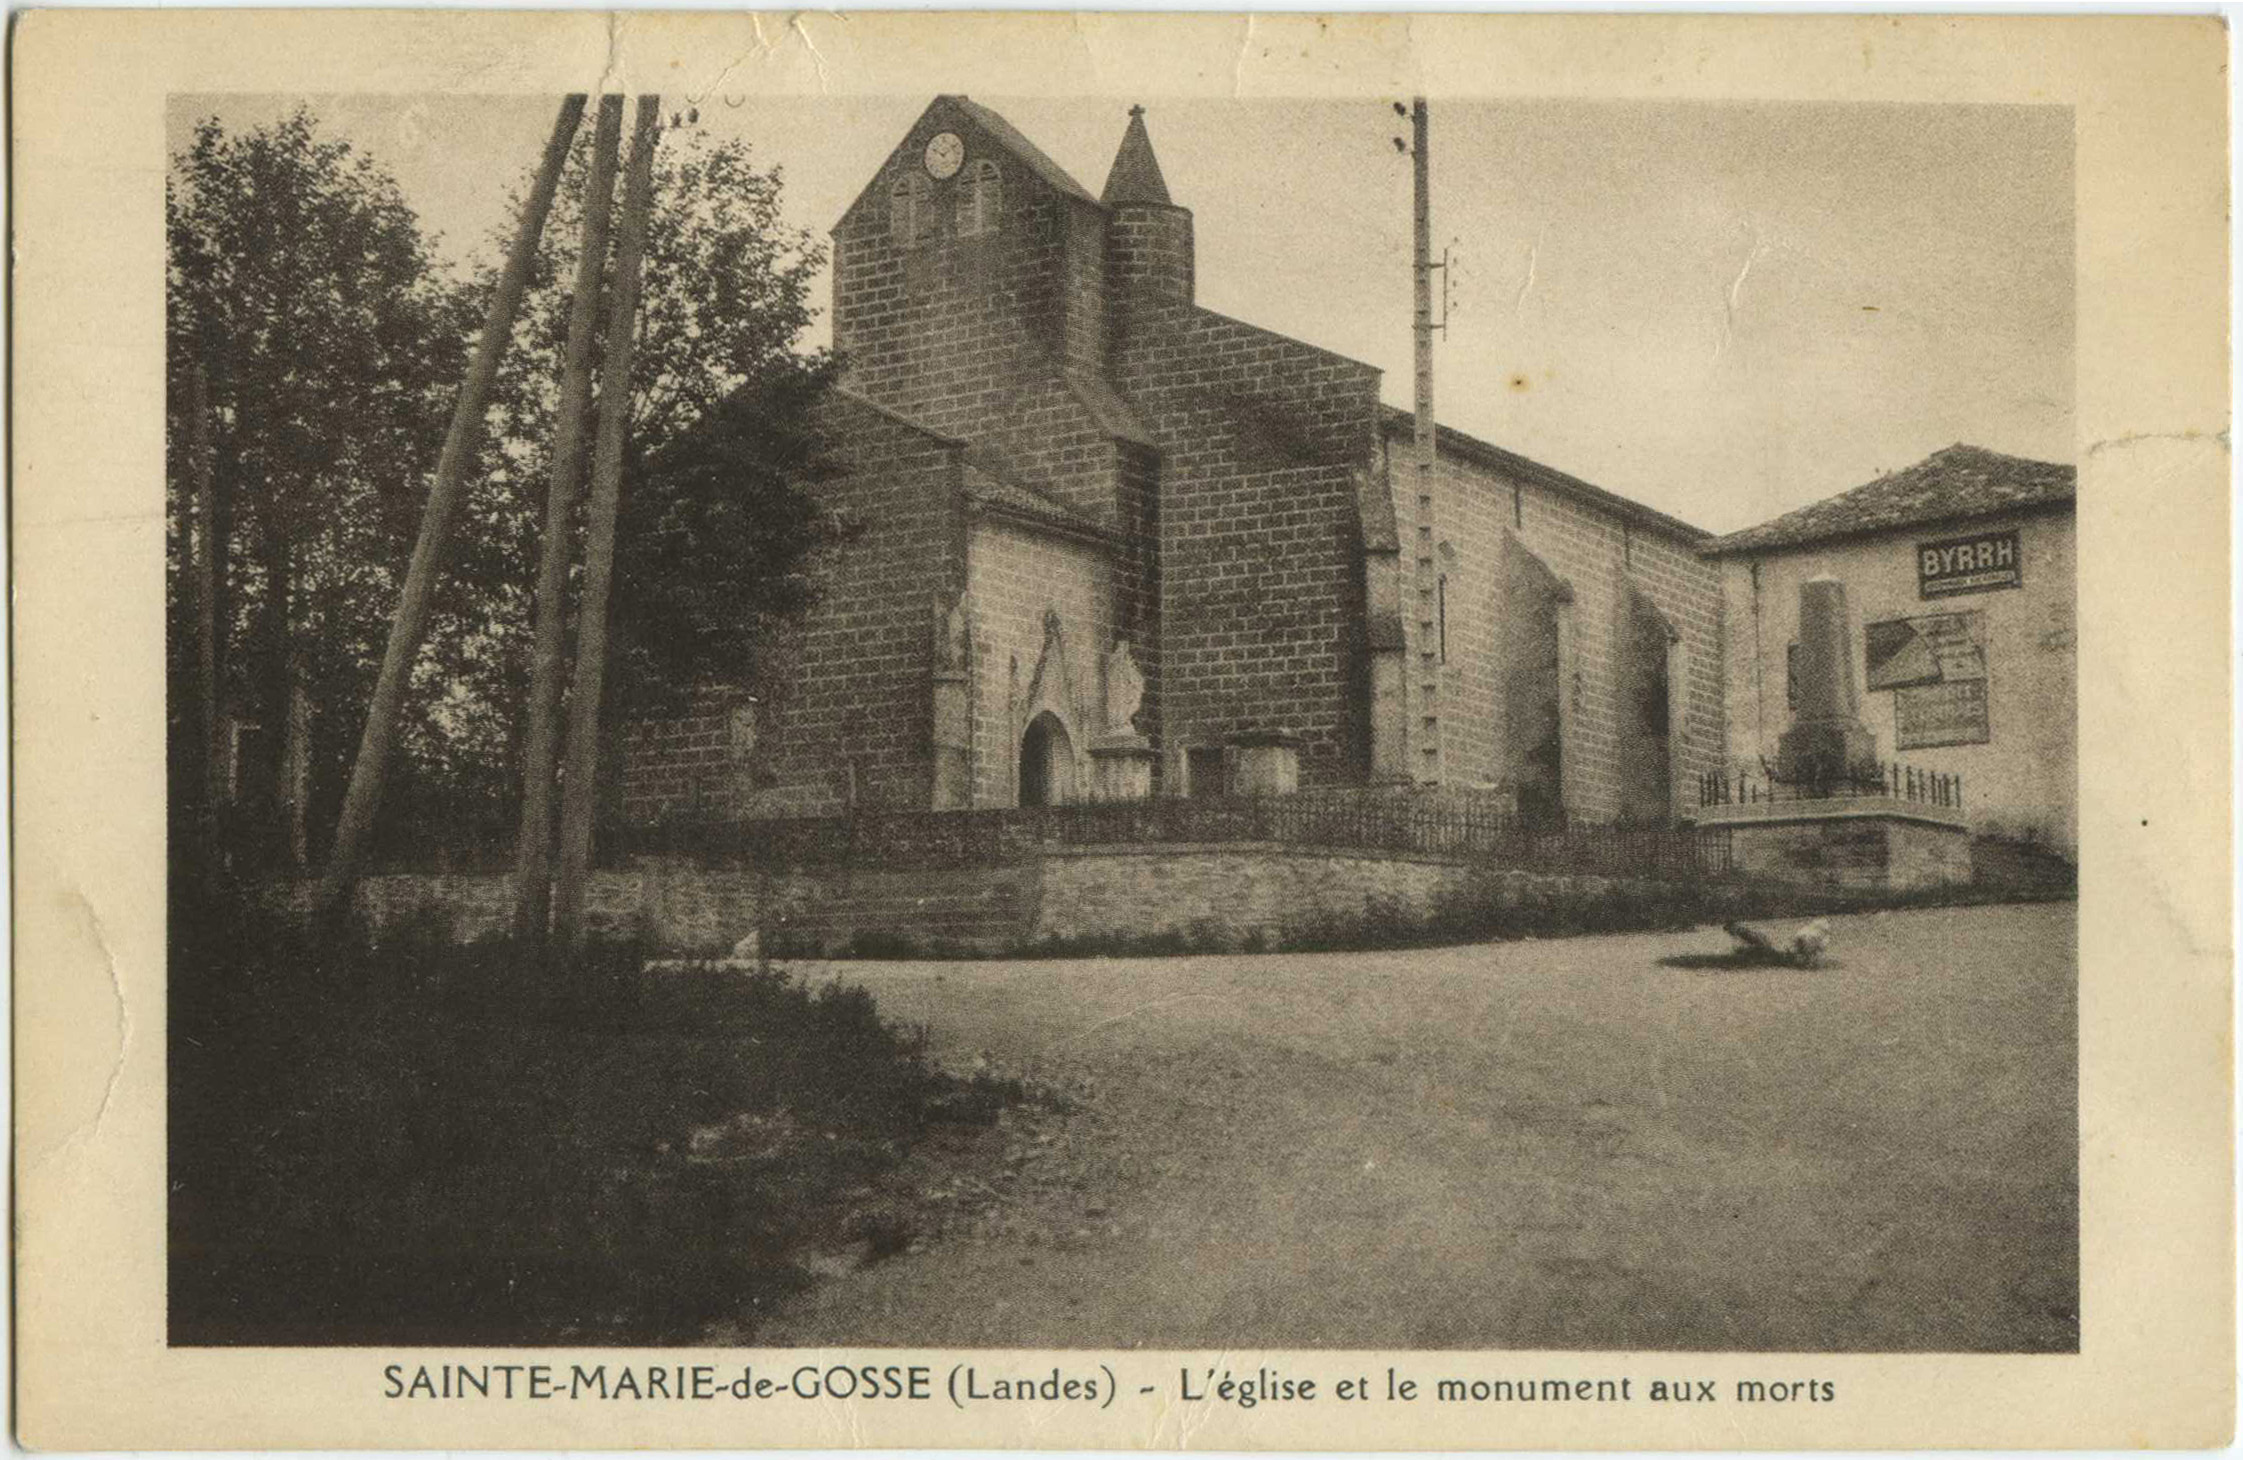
1744	958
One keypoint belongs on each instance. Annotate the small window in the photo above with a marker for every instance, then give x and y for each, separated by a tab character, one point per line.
981	199
911	214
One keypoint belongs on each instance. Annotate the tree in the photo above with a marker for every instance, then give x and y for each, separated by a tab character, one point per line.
416	598
301	290
711	536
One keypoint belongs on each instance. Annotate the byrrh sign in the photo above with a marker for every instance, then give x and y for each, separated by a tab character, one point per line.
1974	564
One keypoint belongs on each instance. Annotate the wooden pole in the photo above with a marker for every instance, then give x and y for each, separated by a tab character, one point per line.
533	857
579	791
1425	431
415	603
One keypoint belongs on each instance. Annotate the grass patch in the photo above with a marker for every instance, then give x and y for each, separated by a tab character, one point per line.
400	1141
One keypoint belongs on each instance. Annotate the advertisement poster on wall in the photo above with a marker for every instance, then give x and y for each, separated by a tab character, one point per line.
1935	667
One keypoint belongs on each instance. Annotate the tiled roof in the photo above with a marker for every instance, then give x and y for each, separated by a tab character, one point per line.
1015	499
1009	137
1962	481
1107	406
844	394
1455	443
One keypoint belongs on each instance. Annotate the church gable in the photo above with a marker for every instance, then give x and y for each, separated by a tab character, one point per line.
969	266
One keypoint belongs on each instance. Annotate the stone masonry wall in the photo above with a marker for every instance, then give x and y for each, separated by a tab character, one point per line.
850	712
1857	853
1234	893
1260	564
972	334
1224	894
1016	573
1601	555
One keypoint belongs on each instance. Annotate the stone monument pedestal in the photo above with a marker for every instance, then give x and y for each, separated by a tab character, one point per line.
1121	768
1822	835
1268	763
1826	743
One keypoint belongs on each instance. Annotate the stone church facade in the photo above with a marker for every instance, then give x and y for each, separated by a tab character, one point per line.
1114	544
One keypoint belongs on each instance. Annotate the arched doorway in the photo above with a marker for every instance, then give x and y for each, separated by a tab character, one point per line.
1047	763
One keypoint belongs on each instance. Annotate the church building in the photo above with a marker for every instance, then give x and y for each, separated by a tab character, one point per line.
1114	544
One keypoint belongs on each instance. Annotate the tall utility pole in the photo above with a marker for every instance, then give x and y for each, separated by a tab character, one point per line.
418	598
1423	718
533	856
1422	273
580	766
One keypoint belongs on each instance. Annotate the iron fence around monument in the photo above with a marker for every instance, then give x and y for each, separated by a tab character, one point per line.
1892	780
1461	826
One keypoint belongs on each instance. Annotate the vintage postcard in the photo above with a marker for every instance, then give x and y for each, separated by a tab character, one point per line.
1068	731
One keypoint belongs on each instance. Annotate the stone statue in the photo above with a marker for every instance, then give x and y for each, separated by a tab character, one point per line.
953	638
1125	690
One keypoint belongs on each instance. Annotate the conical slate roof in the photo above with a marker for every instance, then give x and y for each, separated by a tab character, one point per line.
1136	176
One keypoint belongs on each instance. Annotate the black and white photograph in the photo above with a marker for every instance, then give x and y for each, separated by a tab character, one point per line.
1052	757
989	723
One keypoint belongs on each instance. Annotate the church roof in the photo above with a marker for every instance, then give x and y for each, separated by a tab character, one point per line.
1961	481
845	395
1107	406
1018	500
1135	177
1010	138
1453	442
965	110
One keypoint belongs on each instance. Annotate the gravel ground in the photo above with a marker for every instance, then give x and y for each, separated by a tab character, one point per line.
1619	1142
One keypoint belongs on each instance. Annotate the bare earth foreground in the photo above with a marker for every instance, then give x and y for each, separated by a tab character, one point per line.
1564	1144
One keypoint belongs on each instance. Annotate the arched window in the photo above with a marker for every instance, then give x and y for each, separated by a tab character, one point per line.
911	214
981	199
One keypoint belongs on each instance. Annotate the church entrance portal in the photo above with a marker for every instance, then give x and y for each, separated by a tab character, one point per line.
1047	763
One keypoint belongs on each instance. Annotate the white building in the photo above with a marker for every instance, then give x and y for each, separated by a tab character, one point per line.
1960	574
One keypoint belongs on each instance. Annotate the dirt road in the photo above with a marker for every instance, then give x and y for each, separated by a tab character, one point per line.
1561	1144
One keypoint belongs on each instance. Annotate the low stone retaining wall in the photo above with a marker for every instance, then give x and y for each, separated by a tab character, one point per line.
1216	895
1230	894
1866	844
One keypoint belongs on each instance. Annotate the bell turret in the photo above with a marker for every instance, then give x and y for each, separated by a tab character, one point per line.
1149	241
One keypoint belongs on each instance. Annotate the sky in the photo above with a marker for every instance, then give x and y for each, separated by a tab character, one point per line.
1722	310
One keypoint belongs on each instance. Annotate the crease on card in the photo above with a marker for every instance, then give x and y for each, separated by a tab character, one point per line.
96	934
1735	292
817	57
1526	285
2140	438
609	69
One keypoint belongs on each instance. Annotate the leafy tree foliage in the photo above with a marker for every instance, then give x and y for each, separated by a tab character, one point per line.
334	342
301	283
716	535
715	524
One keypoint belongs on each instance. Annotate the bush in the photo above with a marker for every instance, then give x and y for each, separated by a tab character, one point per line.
403	1141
